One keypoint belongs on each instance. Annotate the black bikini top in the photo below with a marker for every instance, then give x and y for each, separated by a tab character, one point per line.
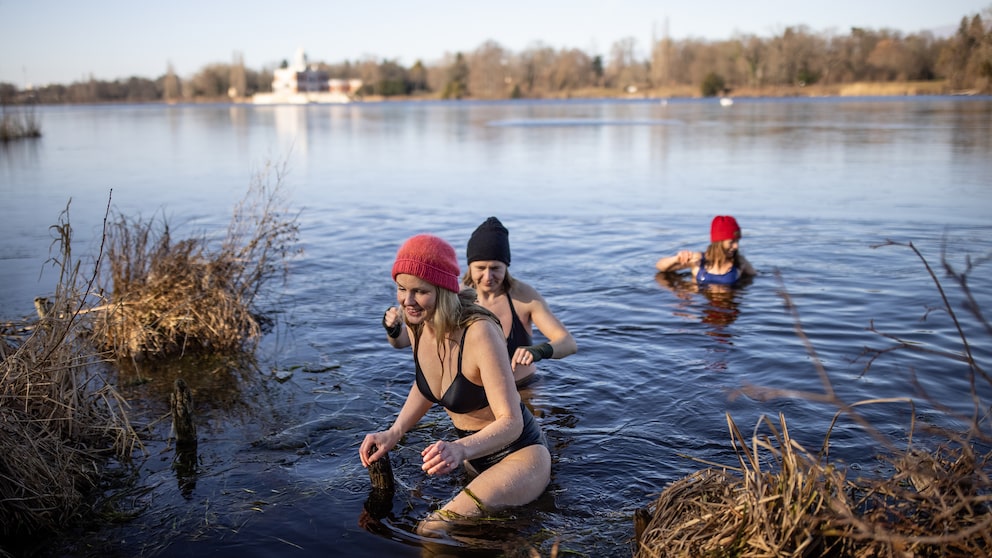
519	336
462	396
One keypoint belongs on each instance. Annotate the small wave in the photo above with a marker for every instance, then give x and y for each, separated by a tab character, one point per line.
568	122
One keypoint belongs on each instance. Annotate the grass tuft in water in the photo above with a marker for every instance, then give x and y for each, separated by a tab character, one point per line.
170	297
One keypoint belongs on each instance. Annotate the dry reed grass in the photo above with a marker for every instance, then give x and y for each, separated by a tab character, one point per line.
785	501
60	421
18	123
170	298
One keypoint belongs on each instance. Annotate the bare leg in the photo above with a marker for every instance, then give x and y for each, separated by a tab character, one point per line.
516	480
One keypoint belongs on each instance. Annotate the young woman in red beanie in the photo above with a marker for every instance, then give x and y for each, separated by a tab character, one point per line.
518	305
722	264
461	363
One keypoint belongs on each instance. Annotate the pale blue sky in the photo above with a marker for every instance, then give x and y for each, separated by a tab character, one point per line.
61	41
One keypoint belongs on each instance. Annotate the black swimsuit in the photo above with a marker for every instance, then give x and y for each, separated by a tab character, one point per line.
464	397
531	435
519	335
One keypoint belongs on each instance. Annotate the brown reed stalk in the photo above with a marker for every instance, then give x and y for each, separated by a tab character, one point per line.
60	420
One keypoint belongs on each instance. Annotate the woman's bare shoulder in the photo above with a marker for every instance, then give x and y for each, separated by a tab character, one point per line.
524	292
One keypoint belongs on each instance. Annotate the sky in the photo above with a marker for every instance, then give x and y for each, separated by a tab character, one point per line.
63	41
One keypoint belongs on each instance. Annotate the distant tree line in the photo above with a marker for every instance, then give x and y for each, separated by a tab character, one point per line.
795	57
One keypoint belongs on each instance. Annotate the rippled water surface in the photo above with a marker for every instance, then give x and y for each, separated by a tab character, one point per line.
592	193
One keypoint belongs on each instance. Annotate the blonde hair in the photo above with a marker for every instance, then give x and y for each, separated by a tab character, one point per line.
453	312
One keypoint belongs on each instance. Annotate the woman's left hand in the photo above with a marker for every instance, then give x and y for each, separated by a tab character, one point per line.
442	457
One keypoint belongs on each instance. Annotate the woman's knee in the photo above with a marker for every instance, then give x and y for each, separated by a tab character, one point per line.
516	480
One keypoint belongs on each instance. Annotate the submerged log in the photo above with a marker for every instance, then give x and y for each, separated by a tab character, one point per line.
181	402
381	473
380	500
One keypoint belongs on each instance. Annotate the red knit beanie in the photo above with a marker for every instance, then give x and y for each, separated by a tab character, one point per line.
724	227
429	258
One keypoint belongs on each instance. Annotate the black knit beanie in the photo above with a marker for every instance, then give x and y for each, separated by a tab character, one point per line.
490	241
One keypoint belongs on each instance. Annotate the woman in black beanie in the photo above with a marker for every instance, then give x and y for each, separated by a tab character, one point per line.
518	305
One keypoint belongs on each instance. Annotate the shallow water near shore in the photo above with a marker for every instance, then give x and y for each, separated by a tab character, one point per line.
593	193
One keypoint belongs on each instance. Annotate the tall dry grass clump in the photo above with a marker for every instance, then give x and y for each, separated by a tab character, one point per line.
60	420
781	500
171	297
18	123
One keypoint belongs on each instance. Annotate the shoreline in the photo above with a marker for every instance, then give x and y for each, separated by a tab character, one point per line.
854	89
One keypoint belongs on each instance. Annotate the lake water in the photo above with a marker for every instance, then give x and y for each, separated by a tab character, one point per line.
593	192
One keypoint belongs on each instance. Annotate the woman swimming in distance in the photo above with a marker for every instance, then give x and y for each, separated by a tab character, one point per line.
721	264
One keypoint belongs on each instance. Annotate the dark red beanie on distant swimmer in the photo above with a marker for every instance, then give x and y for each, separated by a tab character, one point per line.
489	242
724	227
429	258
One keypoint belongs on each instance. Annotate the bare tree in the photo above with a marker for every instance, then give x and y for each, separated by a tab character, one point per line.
662	56
753	58
573	70
896	59
623	69
170	85
532	70
684	68
793	57
212	81
368	72
239	82
489	74
437	74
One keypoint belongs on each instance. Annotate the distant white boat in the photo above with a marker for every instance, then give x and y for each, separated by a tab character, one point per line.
726	101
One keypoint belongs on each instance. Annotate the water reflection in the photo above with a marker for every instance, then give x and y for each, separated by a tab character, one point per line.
718	312
185	466
291	127
721	309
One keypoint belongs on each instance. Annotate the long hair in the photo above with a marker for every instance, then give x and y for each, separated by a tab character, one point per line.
453	312
716	256
507	280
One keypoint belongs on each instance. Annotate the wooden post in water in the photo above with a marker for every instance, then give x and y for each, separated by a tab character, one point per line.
181	402
381	473
380	500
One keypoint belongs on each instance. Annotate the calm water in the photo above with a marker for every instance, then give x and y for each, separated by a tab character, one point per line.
593	193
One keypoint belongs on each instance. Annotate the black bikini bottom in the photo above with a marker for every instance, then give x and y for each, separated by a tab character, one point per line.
529	436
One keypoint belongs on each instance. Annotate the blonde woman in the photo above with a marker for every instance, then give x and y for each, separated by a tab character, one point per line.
461	363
